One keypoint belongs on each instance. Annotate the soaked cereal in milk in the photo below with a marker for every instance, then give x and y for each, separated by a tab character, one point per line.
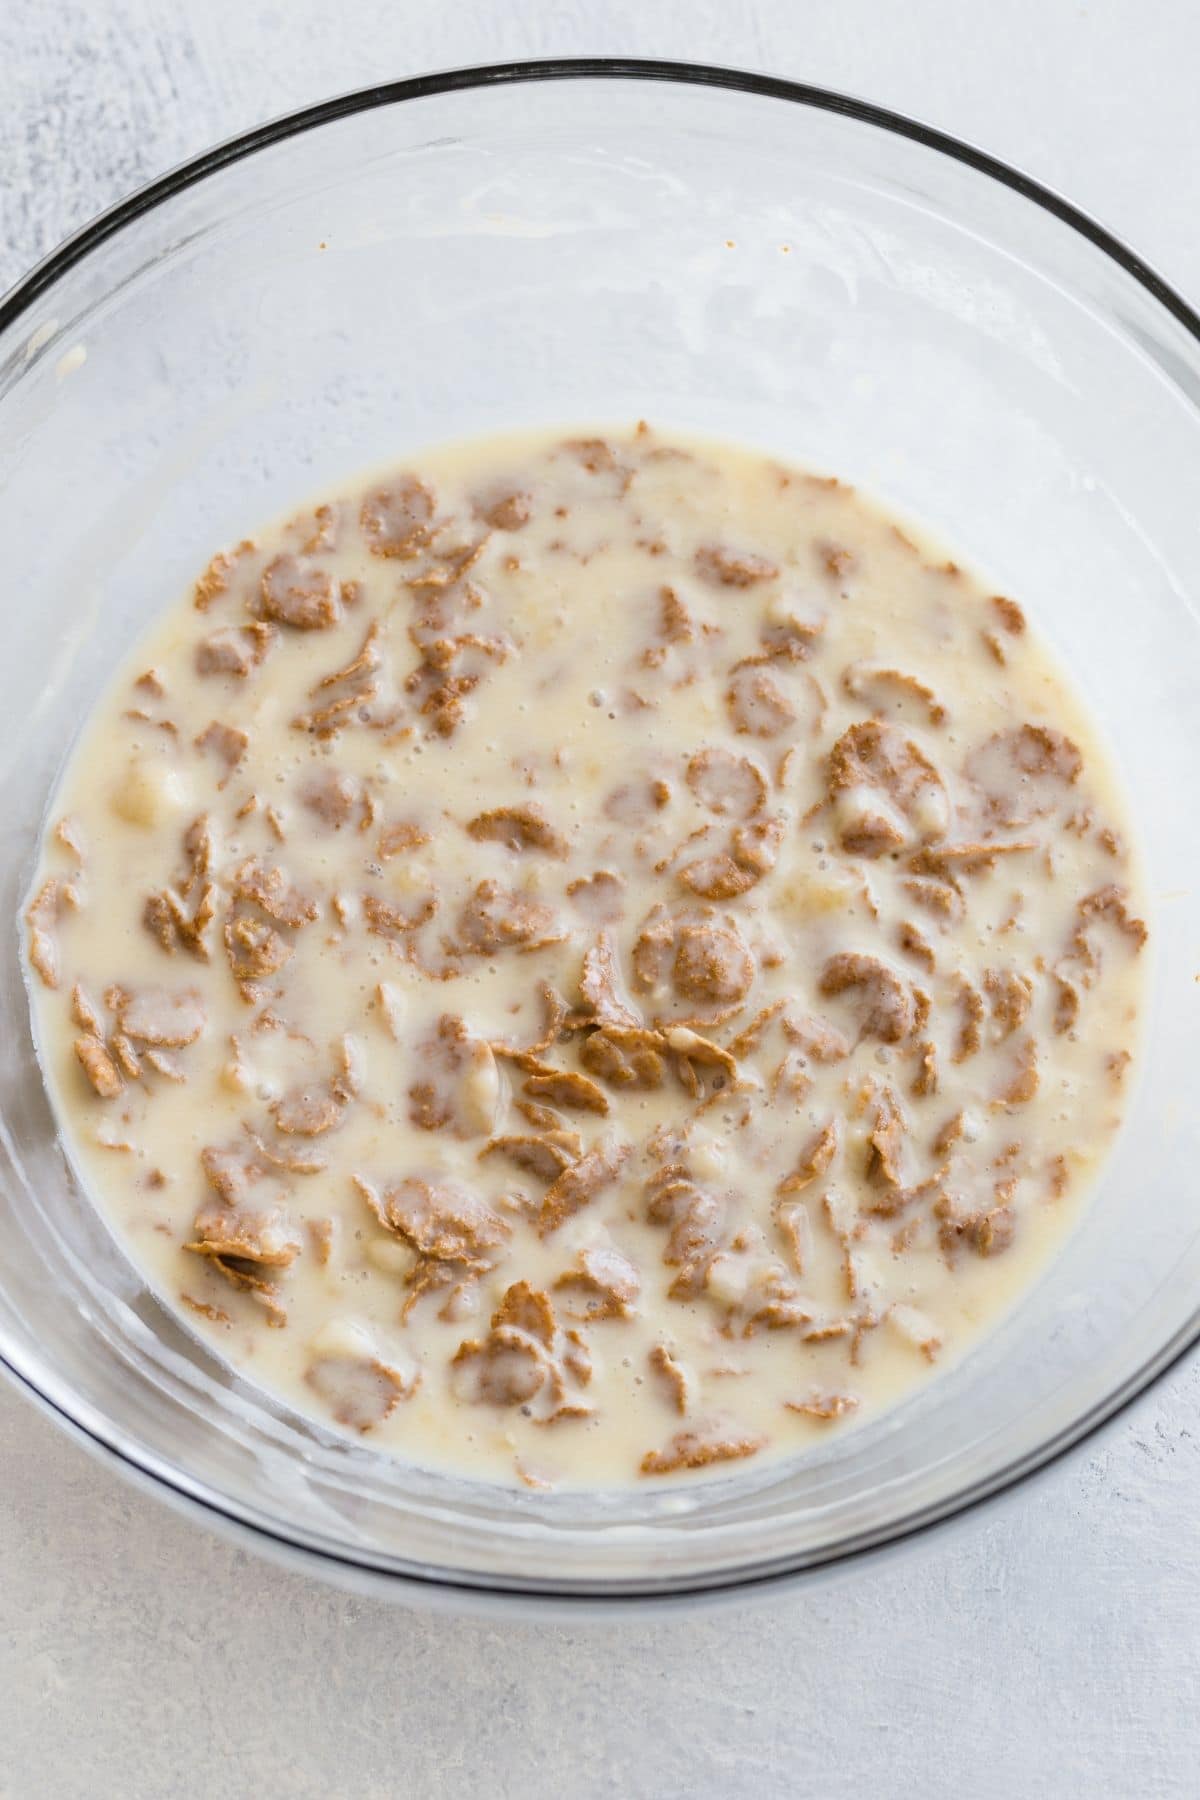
589	958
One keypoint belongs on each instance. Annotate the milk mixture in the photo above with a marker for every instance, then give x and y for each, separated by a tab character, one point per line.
588	959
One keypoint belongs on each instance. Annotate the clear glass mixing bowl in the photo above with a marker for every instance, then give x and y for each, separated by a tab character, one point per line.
565	242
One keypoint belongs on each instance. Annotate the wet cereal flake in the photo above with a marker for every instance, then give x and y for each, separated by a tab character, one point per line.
99	1067
721	567
235	650
824	1406
519	828
580	1183
396	519
300	594
697	1449
602	1285
215	581
673	1375
885	1002
360	1391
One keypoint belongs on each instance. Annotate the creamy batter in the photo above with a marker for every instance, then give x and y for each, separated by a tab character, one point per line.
589	958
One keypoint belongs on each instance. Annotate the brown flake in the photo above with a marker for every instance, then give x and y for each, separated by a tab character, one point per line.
1025	1080
506	509
700	1062
396	520
232	1170
600	986
1109	903
519	828
874	757
579	1184
268	887
367	659
947	862
442	1221
722	567
603	1285
99	1067
936	896
598	457
287	1157
42	916
752	853
637	802
179	916
599	897
1009	615
308	1111
332	797
950	1133
673	1375
205	1309
824	1406
791	636
987	1233
386	920
227	743
695	1218
458	1086
749	1038
731	786
629	1057
85	1013
886	1006
69	833
297	593
815	1038
835	559
321	1236
398	838
696	1449
156	1016
758	705
885	1140
235	650
360	1391
255	949
675	626
495	918
545	1154
815	1160
915	944
215	580
242	1244
567	1088
925	1080
1010	996
970	1033
866	681
707	962
1024	773
525	1356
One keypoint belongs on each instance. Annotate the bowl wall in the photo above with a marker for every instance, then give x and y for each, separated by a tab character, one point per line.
794	274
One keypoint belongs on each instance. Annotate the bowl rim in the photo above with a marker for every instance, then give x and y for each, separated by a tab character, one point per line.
174	1483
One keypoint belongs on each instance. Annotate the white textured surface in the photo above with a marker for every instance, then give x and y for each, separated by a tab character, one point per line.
1049	1647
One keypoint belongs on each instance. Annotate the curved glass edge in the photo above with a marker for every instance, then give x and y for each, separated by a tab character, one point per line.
605	1595
173	1483
416	87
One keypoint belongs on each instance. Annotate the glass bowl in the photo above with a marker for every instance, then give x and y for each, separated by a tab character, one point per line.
561	242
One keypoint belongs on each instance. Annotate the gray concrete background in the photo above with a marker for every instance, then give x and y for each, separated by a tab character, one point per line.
1048	1647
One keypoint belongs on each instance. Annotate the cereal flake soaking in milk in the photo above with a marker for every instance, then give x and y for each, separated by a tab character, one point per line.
588	958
